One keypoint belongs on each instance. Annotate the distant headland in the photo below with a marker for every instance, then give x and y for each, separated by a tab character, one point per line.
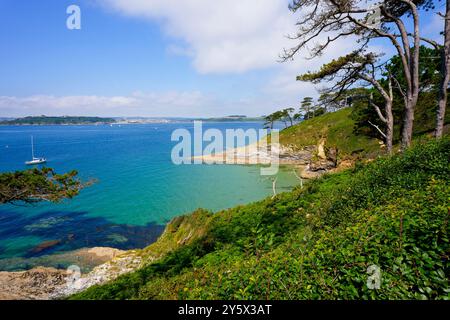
66	120
83	120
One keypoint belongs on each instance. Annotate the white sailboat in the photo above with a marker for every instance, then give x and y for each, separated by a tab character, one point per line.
34	159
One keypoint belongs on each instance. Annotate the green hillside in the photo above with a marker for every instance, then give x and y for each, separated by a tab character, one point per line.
312	243
337	128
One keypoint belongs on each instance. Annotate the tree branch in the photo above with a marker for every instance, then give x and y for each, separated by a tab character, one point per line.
378	128
378	110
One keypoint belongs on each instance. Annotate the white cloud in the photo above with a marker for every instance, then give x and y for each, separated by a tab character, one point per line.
64	102
223	35
136	104
226	36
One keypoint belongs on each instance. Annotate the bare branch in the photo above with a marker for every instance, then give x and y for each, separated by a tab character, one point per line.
403	33
378	129
378	110
399	87
299	178
274	187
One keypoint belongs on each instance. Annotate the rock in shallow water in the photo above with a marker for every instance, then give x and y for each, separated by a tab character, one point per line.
42	283
46	245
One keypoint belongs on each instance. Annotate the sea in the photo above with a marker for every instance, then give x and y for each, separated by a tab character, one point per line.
137	188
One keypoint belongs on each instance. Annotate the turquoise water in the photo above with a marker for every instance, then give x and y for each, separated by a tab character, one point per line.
138	189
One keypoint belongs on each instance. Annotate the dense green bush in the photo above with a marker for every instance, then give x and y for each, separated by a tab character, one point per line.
318	243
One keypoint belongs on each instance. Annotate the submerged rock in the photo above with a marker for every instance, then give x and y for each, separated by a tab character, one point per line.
45	246
117	238
45	223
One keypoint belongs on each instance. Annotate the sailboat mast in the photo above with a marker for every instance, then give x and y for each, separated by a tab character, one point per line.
32	147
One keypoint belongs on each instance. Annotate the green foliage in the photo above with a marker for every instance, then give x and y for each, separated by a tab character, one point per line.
288	115
318	242
284	115
314	113
329	70
430	62
306	109
424	116
272	118
36	185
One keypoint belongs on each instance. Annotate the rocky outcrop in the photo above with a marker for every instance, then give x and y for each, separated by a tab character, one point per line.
291	155
313	161
43	283
35	284
49	283
103	273
321	149
260	154
325	160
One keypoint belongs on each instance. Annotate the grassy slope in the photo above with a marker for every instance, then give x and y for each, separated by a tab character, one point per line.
336	128
317	242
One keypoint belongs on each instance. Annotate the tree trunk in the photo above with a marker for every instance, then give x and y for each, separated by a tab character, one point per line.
408	121
389	126
413	87
388	118
443	95
410	106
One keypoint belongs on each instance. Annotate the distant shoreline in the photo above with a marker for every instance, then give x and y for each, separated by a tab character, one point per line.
53	124
79	121
121	123
65	120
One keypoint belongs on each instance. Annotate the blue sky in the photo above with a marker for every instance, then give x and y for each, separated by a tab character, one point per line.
152	58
